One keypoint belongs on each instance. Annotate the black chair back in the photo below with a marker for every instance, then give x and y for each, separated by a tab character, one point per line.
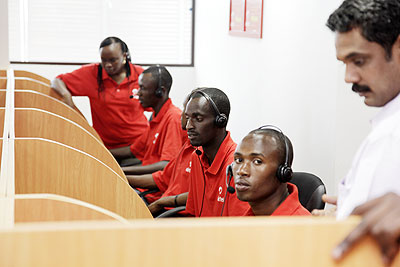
311	188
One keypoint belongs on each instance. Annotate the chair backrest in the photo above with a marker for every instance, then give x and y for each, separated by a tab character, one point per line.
311	189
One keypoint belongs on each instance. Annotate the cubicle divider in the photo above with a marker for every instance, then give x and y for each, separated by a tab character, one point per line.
32	122
281	242
51	154
45	166
31	75
51	208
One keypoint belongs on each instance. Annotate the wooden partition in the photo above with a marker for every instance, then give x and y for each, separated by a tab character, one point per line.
44	166
277	242
31	75
35	123
28	84
23	83
33	99
50	207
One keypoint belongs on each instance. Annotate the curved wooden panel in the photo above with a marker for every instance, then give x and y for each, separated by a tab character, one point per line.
43	124
49	207
233	242
44	166
32	99
28	84
34	76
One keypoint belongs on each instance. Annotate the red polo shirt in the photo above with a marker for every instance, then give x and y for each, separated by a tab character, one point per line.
209	197
118	119
291	206
163	142
174	179
165	137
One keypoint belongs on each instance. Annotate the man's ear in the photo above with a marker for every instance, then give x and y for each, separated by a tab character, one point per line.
164	90
396	48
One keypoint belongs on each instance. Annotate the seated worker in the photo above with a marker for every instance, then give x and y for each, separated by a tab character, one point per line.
165	137
207	114
171	181
262	169
118	120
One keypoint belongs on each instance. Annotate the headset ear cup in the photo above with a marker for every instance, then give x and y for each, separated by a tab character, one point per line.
284	173
221	120
159	92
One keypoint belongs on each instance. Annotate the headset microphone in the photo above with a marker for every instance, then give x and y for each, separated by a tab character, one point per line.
198	152
131	96
229	173
229	189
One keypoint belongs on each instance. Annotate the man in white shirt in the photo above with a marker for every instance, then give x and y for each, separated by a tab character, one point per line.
368	43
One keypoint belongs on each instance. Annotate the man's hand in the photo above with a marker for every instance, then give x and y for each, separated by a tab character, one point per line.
330	212
156	206
381	220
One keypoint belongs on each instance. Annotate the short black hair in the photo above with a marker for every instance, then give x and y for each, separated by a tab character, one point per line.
281	143
166	78
220	99
378	20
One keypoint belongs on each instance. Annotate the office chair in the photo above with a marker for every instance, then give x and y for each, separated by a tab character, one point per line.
172	212
311	189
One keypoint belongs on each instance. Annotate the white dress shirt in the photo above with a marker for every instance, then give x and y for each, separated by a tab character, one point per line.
376	167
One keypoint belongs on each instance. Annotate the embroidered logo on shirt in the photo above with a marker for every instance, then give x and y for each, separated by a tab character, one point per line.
155	137
188	169
134	93
220	199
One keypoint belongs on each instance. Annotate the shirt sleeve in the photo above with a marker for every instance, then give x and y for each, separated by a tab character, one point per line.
83	81
162	178
172	140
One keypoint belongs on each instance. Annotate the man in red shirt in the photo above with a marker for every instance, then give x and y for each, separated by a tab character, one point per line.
118	120
262	169
207	114
166	136
173	180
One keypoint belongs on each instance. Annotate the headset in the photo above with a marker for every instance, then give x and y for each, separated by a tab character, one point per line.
228	178
284	172
229	188
220	119
159	92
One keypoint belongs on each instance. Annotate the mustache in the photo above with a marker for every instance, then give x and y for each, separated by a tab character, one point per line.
360	88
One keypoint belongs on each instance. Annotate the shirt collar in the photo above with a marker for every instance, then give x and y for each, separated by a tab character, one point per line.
388	110
287	207
132	78
162	111
220	156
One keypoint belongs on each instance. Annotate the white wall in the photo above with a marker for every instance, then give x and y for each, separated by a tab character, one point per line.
4	62
289	78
